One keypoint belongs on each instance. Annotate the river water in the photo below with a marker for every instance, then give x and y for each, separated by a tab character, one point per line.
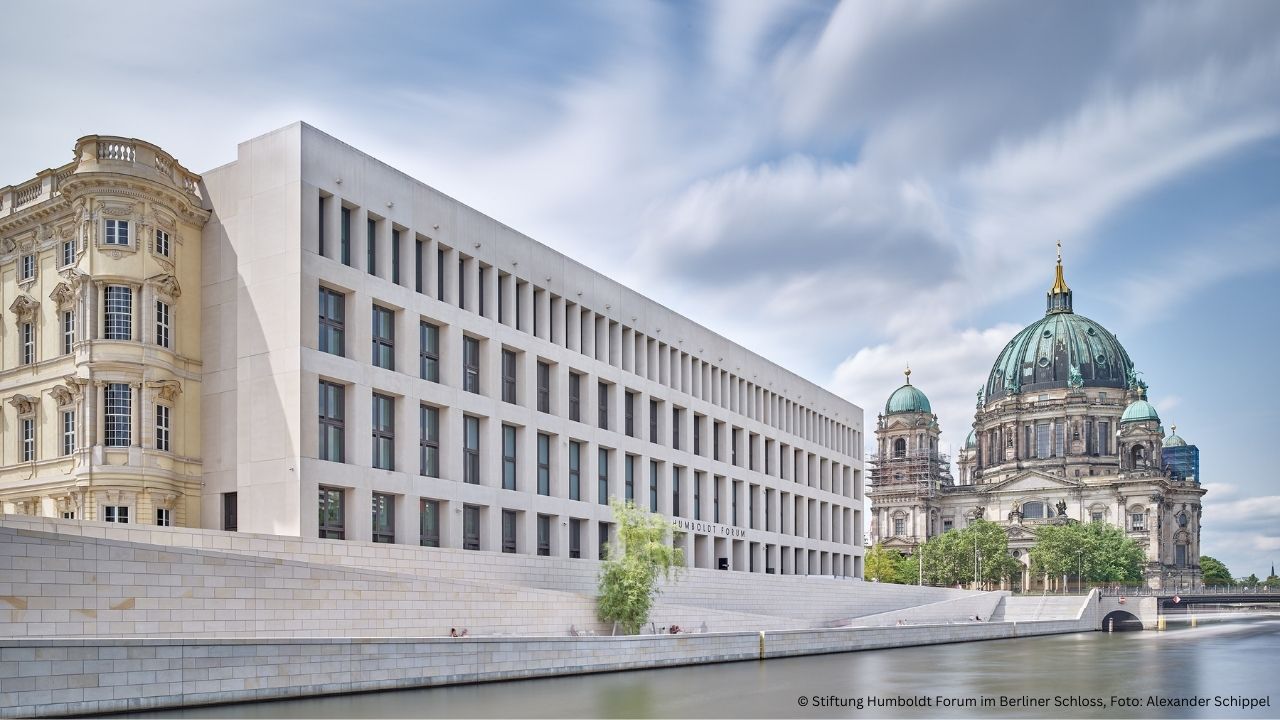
1054	676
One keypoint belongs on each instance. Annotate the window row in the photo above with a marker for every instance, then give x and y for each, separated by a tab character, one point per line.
116	429
451	276
695	494
687	431
510	530
117	324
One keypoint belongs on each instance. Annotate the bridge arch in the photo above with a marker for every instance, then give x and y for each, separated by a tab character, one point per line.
1123	621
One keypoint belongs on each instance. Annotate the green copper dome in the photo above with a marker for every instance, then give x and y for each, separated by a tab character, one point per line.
1138	411
971	441
907	399
1174	440
1060	350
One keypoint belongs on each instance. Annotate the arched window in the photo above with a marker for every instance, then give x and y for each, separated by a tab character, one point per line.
1033	510
1136	454
900	447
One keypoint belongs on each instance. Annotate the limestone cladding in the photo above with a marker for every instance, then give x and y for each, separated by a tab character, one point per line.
476	389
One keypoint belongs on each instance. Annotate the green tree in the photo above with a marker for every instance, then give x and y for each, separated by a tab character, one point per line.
882	564
1096	552
950	558
1213	572
1251	580
639	556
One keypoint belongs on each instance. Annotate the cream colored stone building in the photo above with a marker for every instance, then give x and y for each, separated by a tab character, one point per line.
1062	431
100	346
318	345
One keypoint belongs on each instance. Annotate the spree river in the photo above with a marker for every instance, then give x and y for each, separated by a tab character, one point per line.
1055	676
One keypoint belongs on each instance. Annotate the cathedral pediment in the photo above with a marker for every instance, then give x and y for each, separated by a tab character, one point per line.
1020	532
1032	481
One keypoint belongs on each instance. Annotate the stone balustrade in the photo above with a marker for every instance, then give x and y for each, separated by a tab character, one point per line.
100	153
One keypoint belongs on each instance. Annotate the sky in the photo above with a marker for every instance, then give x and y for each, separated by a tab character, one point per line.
841	187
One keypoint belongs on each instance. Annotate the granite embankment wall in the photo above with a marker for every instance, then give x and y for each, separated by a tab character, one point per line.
819	599
97	618
52	677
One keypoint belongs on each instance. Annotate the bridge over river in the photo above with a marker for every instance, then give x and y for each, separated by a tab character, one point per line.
1125	608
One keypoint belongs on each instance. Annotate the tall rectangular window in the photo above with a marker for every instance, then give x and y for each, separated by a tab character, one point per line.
629	414
429	351
697	496
333	323
429	441
395	256
544	535
629	477
653	421
575	538
345	237
508	457
333	513
320	208
715	440
1042	440
417	265
462	283
1104	438
470	527
384	518
27	332
28	429
602	540
118	402
675	491
332	422
68	331
371	245
480	290
68	432
508	376
27	267
384	338
470	364
163	427
733	500
575	396
429	523
384	432
715	499
602	475
544	464
1059	439
508	531
230	511
118	318
653	486
117	232
162	323
544	387
734	437
470	449
440	275
162	243
68	253
575	470
697	435
602	397
164	517
677	415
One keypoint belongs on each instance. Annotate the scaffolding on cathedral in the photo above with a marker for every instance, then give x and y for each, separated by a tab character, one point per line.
923	472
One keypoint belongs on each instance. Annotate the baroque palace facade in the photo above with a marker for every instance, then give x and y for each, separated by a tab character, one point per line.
307	342
1063	432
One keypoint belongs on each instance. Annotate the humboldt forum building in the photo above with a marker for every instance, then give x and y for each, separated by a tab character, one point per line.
306	342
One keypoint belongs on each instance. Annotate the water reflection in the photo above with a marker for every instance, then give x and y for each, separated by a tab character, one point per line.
1234	656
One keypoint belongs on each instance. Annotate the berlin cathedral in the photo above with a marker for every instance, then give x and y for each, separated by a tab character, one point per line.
1063	432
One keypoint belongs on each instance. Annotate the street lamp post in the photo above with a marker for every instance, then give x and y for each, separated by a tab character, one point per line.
1080	570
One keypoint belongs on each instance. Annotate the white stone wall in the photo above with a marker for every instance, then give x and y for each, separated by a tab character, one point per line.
264	270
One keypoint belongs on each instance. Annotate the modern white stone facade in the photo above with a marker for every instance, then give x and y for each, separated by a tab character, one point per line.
761	467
